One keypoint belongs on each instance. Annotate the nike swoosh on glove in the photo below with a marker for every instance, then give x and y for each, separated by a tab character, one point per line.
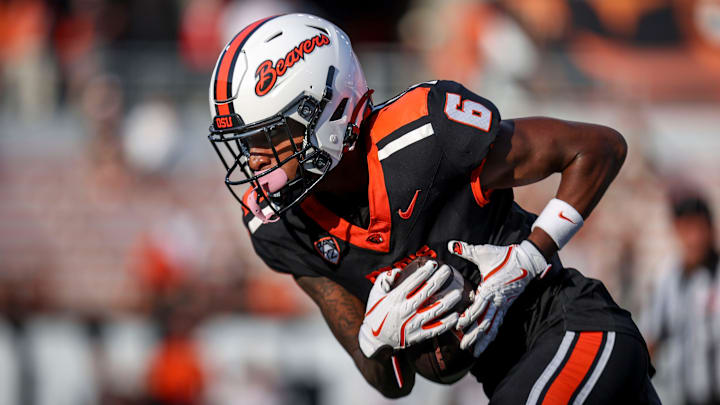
395	316
506	271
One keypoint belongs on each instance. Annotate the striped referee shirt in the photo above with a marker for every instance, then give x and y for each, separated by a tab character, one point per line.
684	319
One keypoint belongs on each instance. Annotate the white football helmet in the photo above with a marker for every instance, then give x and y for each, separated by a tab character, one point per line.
290	67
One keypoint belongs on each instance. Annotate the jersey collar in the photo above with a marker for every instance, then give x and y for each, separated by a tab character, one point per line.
377	235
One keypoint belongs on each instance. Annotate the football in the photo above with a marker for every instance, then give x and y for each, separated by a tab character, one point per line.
440	359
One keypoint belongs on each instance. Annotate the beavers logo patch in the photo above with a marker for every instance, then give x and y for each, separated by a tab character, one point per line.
268	72
328	249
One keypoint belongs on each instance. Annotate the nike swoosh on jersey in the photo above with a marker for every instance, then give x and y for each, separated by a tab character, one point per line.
377	332
408	212
565	218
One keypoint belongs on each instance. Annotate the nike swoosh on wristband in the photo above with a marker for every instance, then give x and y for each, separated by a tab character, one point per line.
377	332
565	218
408	212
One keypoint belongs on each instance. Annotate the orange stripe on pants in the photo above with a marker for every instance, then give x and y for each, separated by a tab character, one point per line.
577	366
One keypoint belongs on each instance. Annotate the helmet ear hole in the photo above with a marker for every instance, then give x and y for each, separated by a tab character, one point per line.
339	110
306	108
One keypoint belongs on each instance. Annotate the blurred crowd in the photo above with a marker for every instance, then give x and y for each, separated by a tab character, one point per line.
126	276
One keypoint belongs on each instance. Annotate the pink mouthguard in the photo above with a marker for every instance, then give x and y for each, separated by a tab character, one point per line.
271	183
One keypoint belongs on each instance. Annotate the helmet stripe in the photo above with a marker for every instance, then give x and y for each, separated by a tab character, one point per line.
223	82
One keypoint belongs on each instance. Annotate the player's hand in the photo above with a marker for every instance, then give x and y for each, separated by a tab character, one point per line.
395	316
506	271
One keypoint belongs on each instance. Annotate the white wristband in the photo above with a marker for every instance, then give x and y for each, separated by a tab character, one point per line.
559	220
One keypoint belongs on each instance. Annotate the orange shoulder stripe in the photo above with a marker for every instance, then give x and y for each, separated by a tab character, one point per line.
409	107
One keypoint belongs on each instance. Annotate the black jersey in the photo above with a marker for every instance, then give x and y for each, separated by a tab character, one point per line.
425	152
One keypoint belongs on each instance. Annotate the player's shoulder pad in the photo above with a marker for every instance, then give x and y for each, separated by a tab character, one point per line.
452	104
423	85
465	124
275	245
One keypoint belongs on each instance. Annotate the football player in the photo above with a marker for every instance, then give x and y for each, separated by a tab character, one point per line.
342	194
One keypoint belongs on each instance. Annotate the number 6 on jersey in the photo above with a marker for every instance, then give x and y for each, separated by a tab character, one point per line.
468	112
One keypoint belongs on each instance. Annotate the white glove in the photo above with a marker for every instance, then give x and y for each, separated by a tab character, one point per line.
394	316
506	271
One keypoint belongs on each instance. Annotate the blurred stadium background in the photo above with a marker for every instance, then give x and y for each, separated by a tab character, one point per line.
126	276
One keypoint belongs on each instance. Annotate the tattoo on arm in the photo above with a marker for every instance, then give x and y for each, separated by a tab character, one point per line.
344	313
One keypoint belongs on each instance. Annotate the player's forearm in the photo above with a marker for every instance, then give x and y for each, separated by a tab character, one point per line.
344	314
587	176
379	373
344	321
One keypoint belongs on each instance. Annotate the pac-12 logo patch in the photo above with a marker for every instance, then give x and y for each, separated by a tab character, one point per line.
328	249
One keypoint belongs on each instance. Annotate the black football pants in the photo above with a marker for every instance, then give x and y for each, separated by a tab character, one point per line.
573	367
